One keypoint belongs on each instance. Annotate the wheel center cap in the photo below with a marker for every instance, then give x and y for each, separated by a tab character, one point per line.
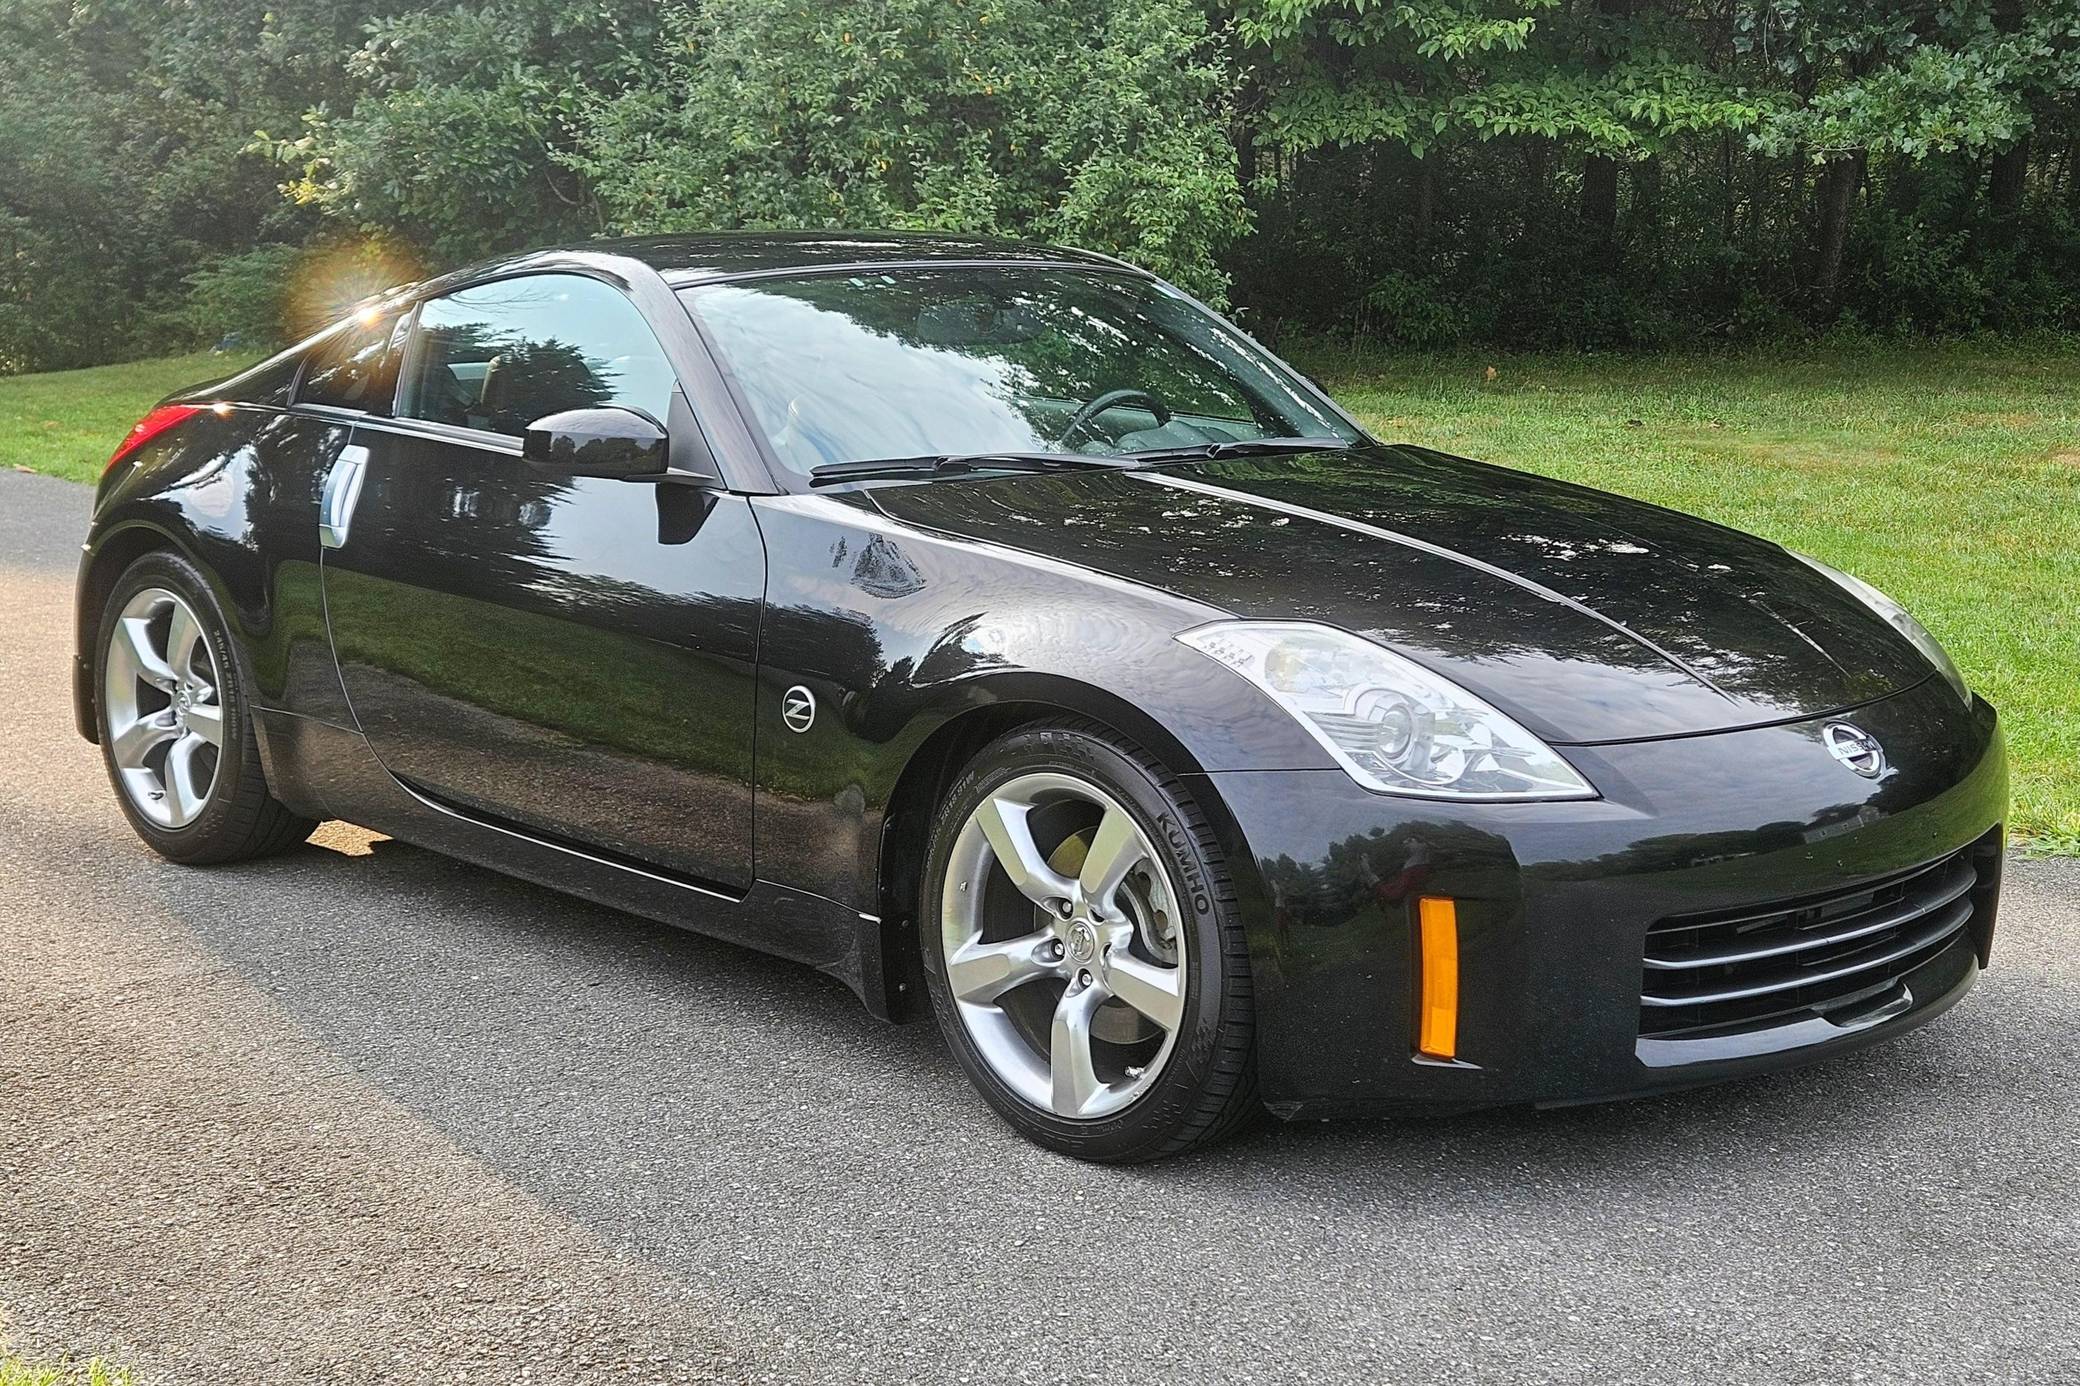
1083	941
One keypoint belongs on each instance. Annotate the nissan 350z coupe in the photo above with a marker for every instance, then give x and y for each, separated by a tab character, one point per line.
998	630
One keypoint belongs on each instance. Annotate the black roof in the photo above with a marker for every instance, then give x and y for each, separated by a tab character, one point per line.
696	259
715	255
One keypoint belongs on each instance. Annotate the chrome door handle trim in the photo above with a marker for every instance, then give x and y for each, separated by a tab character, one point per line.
342	490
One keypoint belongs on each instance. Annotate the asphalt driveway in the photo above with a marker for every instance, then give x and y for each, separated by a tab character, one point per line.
361	1113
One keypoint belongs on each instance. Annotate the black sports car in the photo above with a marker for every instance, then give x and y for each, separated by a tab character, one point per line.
997	624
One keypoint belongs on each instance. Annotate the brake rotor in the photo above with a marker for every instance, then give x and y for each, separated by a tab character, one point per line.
1148	905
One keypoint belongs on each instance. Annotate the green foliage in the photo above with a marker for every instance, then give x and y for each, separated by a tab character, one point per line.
449	132
1630	172
1414	312
124	127
1919	78
1928	259
1092	122
1345	72
245	297
17	1371
1583	172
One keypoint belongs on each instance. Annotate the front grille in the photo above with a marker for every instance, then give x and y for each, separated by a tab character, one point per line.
1753	968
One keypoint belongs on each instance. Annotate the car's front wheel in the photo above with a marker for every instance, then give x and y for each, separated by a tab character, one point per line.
176	732
1087	964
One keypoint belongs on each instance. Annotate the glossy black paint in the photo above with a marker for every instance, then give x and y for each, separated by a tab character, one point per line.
1555	900
237	491
1585	616
616	443
542	656
578	679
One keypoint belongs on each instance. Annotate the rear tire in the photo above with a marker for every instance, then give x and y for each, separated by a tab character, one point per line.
1097	989
176	730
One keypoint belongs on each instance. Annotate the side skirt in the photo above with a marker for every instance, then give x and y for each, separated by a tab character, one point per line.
327	771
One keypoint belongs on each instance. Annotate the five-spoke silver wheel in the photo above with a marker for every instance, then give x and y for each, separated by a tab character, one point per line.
1062	945
163	697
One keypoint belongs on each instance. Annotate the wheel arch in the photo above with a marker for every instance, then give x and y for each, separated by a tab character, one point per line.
107	558
1004	704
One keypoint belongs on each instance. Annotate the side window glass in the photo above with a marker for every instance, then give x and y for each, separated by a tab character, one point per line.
346	369
499	356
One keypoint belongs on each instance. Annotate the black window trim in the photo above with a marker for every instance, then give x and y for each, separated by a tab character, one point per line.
1103	264
447	433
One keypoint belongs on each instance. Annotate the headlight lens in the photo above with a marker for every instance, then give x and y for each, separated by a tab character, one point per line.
1394	725
1896	616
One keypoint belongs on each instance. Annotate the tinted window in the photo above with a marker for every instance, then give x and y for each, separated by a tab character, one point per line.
499	356
908	363
346	368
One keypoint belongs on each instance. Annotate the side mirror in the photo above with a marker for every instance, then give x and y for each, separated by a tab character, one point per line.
598	442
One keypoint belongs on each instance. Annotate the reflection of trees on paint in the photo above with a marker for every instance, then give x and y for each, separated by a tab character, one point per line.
1381	871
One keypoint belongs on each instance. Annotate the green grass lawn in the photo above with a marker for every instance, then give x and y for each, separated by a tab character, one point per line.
68	422
1948	475
17	1371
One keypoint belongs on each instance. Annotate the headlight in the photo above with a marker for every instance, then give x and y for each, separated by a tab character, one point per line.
1394	725
1896	616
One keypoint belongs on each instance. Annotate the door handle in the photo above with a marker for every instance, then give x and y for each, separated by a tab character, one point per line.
336	501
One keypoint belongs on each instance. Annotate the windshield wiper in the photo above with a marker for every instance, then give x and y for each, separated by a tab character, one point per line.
943	464
1239	447
961	463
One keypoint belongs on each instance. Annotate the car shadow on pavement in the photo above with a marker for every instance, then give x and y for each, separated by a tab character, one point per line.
743	1128
505	1013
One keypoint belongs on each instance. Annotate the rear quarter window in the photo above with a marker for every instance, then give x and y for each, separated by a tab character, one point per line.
345	371
268	383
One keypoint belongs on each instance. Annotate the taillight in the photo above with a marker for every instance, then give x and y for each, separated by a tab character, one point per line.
150	427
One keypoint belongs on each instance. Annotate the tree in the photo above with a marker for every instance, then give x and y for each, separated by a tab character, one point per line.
1099	123
1592	172
125	160
453	122
1908	81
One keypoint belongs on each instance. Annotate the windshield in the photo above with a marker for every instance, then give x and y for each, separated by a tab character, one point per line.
930	362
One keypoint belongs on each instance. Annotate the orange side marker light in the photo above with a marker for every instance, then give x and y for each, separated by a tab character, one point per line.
1437	1015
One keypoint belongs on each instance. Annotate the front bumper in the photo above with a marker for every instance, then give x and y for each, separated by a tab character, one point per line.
1555	902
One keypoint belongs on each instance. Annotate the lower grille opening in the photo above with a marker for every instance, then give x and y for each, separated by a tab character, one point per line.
1750	969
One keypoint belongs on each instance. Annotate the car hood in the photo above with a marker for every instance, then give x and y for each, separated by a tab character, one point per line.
1585	616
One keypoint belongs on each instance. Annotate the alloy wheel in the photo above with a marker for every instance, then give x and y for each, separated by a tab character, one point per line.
163	696
1063	945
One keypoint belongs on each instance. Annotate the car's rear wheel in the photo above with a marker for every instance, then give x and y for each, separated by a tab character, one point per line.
176	733
1086	960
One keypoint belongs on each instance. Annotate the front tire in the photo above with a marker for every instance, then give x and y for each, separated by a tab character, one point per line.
176	730
1084	950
